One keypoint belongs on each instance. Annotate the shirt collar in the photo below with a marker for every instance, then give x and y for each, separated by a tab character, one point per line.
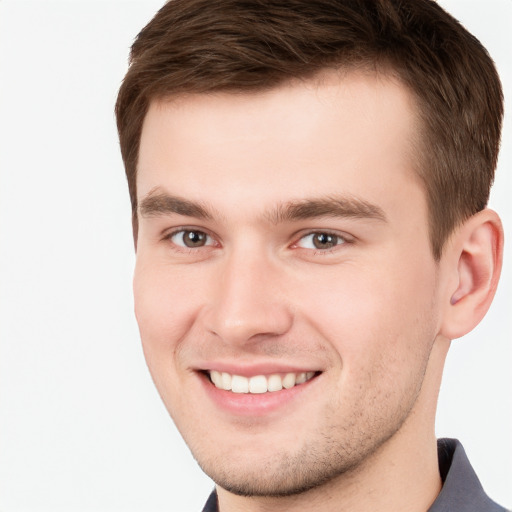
462	491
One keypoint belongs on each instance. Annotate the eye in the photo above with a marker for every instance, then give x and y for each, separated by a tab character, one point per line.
191	238
320	241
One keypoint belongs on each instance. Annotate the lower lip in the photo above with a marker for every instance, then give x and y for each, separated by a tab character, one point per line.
254	404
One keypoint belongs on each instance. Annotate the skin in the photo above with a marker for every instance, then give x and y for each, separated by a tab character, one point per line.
371	313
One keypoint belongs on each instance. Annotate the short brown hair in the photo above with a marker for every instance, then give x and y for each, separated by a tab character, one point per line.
201	46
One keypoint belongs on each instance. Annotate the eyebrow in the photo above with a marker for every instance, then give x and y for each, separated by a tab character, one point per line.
159	204
331	206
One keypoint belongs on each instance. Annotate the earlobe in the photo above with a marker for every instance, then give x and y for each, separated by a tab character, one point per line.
478	250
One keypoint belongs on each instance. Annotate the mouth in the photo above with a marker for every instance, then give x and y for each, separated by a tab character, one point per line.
258	384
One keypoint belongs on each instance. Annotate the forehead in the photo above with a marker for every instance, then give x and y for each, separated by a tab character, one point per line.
353	131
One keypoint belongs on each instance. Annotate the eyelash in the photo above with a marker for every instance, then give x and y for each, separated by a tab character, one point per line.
342	239
182	248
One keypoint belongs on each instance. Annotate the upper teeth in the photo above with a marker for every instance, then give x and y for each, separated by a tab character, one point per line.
258	383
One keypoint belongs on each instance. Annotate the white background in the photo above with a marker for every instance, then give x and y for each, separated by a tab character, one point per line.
81	427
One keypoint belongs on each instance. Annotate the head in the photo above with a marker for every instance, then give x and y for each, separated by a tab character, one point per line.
308	183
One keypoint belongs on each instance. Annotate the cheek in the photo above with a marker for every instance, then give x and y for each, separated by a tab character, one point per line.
163	307
381	331
374	315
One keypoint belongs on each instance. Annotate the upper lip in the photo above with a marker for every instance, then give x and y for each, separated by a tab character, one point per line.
250	370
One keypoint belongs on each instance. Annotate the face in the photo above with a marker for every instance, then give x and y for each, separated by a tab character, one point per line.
285	288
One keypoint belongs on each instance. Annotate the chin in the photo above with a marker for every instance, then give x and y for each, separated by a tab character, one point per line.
281	474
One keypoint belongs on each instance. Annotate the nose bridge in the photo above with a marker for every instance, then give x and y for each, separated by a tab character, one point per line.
247	300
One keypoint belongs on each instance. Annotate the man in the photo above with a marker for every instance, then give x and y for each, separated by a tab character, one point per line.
309	184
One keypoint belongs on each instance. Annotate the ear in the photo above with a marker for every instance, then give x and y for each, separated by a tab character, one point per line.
476	253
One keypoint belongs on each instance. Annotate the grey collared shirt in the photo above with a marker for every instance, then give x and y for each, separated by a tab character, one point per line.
461	492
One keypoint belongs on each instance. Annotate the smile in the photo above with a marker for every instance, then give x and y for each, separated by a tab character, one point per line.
258	384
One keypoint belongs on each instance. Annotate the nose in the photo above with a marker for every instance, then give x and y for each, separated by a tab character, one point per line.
247	301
